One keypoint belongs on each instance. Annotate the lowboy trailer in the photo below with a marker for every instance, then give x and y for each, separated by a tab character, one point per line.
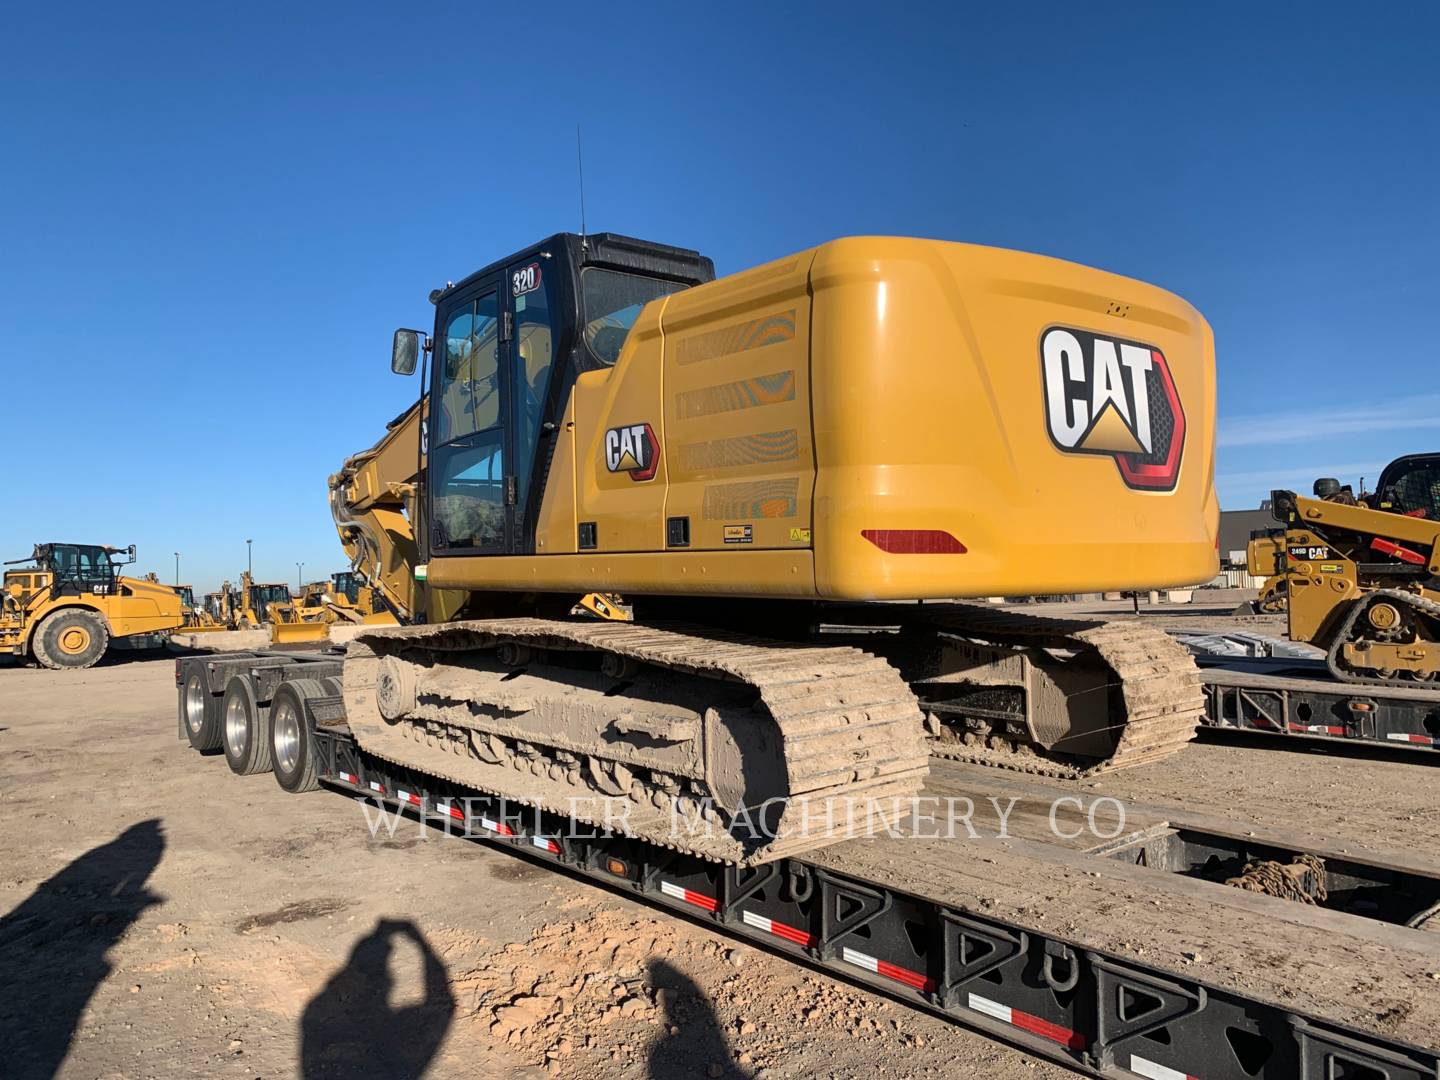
1298	697
896	916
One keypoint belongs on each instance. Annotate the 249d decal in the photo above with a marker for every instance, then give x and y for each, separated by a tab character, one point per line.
1113	397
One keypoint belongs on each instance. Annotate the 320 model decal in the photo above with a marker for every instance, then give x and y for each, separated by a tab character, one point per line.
525	280
1117	398
632	449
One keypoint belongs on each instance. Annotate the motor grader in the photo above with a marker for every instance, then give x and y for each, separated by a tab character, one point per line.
734	474
67	602
1362	575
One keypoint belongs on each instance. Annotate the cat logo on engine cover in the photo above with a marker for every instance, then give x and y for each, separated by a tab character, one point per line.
1107	396
632	449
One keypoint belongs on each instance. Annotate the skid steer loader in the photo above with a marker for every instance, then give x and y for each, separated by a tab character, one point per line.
1362	575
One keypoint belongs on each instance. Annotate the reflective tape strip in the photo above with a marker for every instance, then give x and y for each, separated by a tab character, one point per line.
1025	1022
409	797
349	778
450	810
497	827
1318	729
700	900
1154	1070
545	844
890	971
779	929
1423	740
377	787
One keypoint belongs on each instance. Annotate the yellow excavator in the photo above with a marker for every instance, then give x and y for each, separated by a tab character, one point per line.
67	602
745	484
1362	575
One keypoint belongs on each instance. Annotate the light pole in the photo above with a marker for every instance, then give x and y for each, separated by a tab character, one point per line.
249	558
300	575
177	568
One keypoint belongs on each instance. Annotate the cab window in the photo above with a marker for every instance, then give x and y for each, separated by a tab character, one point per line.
612	302
1417	490
469	371
534	363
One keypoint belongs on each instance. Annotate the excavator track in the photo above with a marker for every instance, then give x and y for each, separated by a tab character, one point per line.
1155	695
726	746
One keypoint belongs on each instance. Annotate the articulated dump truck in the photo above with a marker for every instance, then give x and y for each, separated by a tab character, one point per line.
745	484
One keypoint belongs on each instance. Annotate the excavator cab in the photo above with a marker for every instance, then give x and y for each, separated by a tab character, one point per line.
509	341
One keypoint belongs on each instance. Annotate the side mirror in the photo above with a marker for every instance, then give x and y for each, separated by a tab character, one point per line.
405	351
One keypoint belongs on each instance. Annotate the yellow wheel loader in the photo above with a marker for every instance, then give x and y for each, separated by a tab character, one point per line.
1362	576
70	601
742	470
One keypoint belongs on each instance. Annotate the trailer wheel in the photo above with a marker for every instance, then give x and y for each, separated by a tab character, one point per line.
200	712
246	726
291	741
70	638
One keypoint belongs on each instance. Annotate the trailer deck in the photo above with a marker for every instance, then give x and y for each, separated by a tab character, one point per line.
1288	696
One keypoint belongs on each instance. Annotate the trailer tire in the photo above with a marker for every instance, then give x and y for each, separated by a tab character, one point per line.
200	711
246	727
291	740
72	638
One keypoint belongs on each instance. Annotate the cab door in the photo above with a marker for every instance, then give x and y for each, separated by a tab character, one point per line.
472	484
531	340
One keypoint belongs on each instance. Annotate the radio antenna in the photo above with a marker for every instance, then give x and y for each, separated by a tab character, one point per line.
580	164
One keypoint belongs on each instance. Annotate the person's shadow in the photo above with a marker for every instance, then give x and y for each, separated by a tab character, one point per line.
53	946
350	1028
700	1044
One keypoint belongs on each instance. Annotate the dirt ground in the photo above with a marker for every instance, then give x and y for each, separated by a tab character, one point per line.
164	918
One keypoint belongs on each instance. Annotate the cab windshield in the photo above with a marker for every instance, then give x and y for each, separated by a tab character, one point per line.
82	564
262	596
612	301
347	585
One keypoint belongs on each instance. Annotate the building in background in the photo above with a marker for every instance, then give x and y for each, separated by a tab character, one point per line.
1236	528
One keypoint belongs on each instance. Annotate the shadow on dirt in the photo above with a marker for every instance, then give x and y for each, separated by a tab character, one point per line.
351	1028
118	655
701	1044
53	946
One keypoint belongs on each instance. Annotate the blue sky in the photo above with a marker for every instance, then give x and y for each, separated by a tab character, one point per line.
212	218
